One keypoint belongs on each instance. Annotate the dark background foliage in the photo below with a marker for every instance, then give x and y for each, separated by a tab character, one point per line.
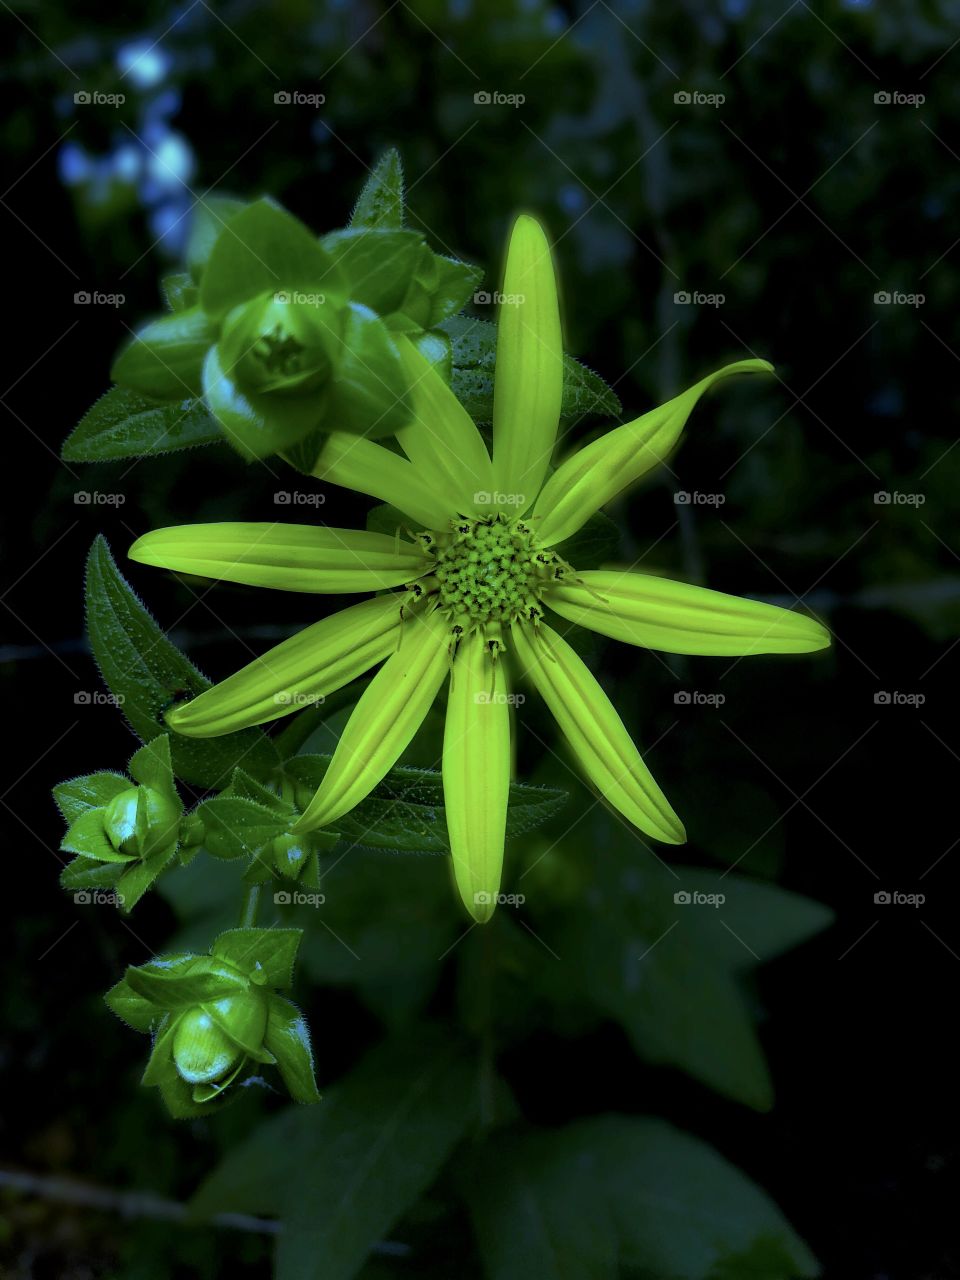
799	198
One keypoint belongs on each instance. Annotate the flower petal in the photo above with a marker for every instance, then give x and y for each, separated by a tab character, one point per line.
676	617
289	557
595	732
366	467
476	774
528	382
599	471
442	439
299	671
384	720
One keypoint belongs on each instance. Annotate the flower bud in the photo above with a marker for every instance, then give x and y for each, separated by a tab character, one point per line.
203	1053
278	345
139	820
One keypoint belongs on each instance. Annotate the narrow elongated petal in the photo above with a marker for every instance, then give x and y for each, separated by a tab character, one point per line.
301	670
596	473
366	467
476	774
384	720
289	557
528	384
595	732
441	439
676	617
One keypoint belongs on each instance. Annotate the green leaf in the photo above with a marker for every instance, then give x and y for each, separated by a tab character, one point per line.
263	249
406	812
341	1174
87	836
266	955
667	968
595	543
173	982
83	873
474	344
138	877
141	666
92	791
288	1039
455	285
619	1195
165	358
210	216
125	424
381	200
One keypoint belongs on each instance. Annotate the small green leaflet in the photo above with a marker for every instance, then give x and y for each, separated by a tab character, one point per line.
148	675
381	201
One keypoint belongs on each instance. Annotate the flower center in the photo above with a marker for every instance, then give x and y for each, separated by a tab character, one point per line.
489	569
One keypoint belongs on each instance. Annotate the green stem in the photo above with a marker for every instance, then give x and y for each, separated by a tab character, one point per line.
250	906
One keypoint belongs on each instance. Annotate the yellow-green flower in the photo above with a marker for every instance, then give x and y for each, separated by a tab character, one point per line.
471	589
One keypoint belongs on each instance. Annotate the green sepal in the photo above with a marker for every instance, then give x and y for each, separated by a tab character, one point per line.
205	1093
368	394
236	828
178	1098
161	1068
380	204
248	788
85	873
263	250
179	291
152	766
379	265
165	358
92	791
267	956
455	284
210	219
288	1039
137	879
125	424
133	1009
88	837
174	982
